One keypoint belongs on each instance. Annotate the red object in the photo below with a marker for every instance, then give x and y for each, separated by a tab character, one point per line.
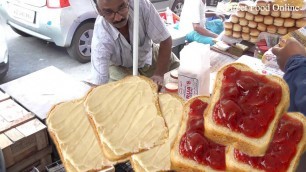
263	48
58	3
247	102
194	145
262	42
176	18
281	150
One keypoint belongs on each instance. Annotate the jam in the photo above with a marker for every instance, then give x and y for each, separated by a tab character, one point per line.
194	145
247	102
281	150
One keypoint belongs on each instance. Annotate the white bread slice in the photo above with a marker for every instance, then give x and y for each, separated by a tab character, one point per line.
180	163
75	140
158	158
225	136
126	116
234	165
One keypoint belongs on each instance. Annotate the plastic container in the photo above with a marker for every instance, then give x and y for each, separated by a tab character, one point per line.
169	16
194	71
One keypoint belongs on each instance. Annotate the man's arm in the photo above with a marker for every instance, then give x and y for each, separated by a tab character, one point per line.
300	95
198	28
295	76
163	59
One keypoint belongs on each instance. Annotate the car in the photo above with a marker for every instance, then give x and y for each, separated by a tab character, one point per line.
67	23
4	56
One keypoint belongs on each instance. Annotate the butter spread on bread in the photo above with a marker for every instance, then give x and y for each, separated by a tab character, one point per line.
74	137
158	158
126	116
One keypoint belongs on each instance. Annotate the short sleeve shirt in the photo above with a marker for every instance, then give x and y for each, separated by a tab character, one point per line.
109	46
193	12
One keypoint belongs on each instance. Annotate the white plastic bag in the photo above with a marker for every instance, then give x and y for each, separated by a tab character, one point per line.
194	70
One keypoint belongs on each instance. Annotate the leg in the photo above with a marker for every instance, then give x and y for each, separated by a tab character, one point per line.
215	26
118	72
148	70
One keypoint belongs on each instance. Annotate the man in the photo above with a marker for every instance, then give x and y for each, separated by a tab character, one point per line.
292	60
193	22
112	42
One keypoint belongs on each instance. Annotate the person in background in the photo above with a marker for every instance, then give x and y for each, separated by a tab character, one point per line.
193	22
112	42
292	60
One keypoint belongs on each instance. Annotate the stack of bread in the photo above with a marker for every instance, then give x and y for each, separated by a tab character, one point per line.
244	126
113	123
264	16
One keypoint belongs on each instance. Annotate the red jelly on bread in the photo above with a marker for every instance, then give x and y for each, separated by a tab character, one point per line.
281	150
247	102
194	145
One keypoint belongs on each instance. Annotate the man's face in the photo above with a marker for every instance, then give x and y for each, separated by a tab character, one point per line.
116	12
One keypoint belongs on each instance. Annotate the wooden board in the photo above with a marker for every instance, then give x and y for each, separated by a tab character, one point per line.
38	160
12	114
41	90
23	141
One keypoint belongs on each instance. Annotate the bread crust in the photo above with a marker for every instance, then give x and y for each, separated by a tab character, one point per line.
178	162
109	154
233	165
68	166
225	136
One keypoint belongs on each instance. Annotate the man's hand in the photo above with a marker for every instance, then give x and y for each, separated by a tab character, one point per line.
159	80
291	48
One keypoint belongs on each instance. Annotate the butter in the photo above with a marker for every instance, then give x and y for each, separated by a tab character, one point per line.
126	116
158	158
76	137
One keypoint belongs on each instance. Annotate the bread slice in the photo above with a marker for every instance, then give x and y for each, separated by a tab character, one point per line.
158	158
235	165
179	162
126	116
74	138
225	136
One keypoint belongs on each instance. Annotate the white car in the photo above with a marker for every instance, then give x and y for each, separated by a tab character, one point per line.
67	23
4	57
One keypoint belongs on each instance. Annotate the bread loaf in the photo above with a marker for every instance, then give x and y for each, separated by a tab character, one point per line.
232	121
126	116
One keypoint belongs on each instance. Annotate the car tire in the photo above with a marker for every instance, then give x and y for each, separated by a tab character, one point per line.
80	47
177	7
19	32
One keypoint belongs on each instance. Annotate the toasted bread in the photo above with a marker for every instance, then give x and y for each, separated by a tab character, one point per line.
235	165
126	116
178	161
225	136
74	138
158	158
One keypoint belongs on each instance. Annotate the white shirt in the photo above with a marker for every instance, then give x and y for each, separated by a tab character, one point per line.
109	46
193	12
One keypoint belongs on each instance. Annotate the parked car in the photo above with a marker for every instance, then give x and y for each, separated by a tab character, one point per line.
67	23
4	57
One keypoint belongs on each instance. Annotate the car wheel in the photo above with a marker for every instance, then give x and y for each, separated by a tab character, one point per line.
20	32
177	7
80	47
